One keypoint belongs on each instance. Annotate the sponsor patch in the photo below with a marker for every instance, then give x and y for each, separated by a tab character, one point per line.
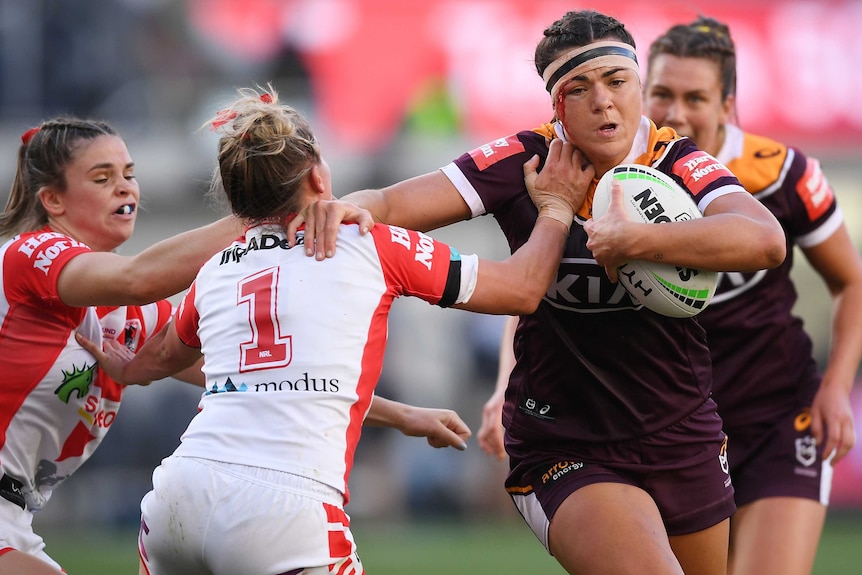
802	421
722	458
698	170
491	153
814	190
560	469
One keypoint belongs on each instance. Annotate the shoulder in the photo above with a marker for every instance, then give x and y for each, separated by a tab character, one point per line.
38	257
700	173
515	146
759	162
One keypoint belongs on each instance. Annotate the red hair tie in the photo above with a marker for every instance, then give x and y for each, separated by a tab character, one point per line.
222	118
266	98
28	135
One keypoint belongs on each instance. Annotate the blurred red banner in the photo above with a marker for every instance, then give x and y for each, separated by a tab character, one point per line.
369	61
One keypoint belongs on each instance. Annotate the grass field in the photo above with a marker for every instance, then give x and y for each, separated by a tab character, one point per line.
426	549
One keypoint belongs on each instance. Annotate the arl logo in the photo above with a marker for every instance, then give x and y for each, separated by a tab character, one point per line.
77	381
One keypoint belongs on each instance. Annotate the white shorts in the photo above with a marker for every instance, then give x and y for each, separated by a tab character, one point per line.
16	532
207	517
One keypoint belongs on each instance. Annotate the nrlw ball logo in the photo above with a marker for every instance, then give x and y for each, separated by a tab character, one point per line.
646	202
695	298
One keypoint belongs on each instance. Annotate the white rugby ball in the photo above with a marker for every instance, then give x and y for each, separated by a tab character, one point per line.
653	197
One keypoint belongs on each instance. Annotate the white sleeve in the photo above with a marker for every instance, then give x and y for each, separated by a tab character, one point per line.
469	275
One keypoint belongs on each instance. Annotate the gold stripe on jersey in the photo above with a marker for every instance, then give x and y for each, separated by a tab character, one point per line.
657	145
761	164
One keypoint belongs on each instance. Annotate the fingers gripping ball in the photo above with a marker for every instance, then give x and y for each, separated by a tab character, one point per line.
650	196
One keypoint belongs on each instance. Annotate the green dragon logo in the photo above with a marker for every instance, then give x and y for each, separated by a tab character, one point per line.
77	381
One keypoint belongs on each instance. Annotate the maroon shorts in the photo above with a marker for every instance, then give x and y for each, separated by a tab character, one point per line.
682	467
778	458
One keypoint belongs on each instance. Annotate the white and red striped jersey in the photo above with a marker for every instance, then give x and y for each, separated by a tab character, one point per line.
293	347
55	405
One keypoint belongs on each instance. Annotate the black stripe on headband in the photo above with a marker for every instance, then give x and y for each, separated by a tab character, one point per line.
589	55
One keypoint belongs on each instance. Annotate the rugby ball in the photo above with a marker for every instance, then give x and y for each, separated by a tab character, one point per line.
653	197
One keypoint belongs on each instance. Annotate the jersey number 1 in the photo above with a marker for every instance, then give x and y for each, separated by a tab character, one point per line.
268	348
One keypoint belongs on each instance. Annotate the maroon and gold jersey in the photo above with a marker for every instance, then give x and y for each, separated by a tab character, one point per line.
762	357
592	364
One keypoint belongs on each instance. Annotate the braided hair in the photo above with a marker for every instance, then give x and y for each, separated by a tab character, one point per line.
703	38
575	29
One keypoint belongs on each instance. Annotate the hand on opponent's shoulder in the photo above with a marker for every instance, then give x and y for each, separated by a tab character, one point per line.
321	219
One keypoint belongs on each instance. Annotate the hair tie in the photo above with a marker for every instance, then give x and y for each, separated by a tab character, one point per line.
266	98
709	30
28	135
222	118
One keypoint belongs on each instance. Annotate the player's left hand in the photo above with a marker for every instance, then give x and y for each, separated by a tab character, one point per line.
832	420
322	218
442	427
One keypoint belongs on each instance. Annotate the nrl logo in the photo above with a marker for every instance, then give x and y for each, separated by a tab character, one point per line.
806	450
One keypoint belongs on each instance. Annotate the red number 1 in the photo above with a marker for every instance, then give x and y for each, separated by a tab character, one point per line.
268	348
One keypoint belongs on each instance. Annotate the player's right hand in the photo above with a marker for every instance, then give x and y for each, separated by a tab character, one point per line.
609	236
441	427
322	219
112	360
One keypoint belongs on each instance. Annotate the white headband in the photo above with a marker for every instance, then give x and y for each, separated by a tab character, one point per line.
585	58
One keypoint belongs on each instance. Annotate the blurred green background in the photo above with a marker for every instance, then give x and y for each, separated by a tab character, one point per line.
431	548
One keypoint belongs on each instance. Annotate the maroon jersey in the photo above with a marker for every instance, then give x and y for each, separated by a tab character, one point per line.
592	364
762	357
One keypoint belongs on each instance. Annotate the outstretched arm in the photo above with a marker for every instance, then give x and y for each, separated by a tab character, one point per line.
161	356
442	427
422	203
160	271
